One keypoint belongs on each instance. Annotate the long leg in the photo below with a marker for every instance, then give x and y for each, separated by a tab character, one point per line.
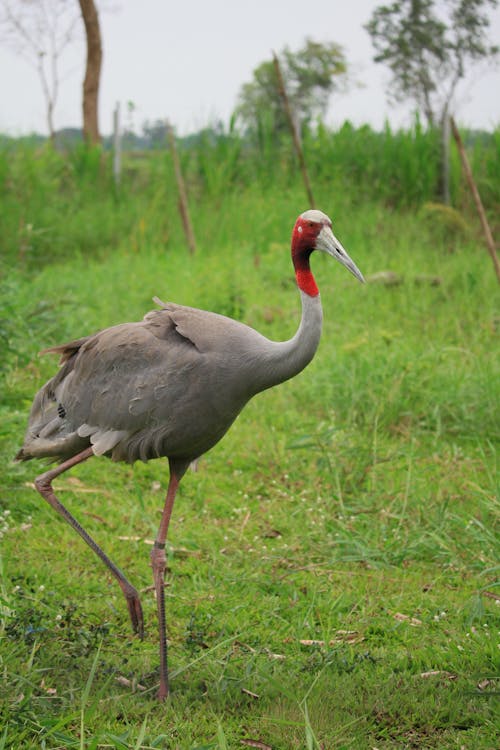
43	484
158	563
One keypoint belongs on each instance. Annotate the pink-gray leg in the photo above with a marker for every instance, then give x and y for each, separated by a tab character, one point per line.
43	484
158	563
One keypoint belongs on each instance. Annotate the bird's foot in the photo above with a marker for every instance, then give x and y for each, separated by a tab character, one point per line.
135	612
163	691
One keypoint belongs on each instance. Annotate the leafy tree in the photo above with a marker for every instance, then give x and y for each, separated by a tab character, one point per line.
429	47
311	74
156	132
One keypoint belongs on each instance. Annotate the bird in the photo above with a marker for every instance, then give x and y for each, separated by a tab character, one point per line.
168	386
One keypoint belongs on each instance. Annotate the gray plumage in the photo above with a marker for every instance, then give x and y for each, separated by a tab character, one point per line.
170	385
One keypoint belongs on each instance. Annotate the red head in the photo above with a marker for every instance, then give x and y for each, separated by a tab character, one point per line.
313	231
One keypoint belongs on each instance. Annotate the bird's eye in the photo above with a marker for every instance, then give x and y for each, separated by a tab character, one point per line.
310	223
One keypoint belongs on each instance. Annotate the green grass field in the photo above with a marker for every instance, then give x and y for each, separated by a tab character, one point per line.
333	562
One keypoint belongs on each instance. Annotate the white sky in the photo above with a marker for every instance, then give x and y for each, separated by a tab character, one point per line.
186	61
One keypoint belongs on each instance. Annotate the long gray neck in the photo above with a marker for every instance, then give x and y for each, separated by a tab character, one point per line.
285	359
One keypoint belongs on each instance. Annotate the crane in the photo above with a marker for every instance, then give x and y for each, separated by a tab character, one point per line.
168	386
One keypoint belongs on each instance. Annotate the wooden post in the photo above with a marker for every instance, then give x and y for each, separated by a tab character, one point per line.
477	198
293	130
183	203
117	145
445	160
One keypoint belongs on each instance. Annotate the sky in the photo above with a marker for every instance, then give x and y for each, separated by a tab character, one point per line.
186	61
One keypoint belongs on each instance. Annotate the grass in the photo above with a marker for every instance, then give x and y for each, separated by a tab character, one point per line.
333	562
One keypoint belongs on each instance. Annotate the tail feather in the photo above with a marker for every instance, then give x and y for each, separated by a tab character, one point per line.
66	350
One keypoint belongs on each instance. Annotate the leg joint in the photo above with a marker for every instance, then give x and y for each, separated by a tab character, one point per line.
129	591
42	484
158	559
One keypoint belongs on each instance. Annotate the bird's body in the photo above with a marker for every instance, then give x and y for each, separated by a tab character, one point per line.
170	385
150	389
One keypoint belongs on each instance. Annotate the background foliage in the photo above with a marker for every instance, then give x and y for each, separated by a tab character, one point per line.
332	564
399	169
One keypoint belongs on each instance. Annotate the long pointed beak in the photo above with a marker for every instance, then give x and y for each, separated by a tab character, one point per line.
328	243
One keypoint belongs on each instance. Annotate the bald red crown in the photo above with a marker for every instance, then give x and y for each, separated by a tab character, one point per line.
304	236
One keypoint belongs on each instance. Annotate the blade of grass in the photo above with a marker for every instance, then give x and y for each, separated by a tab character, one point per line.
221	737
85	696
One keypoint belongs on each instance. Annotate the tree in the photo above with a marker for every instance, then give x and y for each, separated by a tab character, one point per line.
429	47
93	71
310	76
156	133
40	31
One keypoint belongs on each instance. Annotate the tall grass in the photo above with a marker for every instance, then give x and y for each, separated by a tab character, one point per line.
40	186
399	167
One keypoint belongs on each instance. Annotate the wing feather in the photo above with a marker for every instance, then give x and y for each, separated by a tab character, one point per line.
168	385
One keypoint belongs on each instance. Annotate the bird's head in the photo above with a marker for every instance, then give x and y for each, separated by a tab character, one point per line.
313	231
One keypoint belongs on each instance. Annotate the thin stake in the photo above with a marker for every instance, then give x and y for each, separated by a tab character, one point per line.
293	130
477	198
183	203
117	144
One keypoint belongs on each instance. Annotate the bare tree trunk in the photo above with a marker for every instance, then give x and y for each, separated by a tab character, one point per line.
50	90
50	121
93	71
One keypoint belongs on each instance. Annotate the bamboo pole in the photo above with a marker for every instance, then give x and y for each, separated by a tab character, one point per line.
293	130
183	202
477	198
